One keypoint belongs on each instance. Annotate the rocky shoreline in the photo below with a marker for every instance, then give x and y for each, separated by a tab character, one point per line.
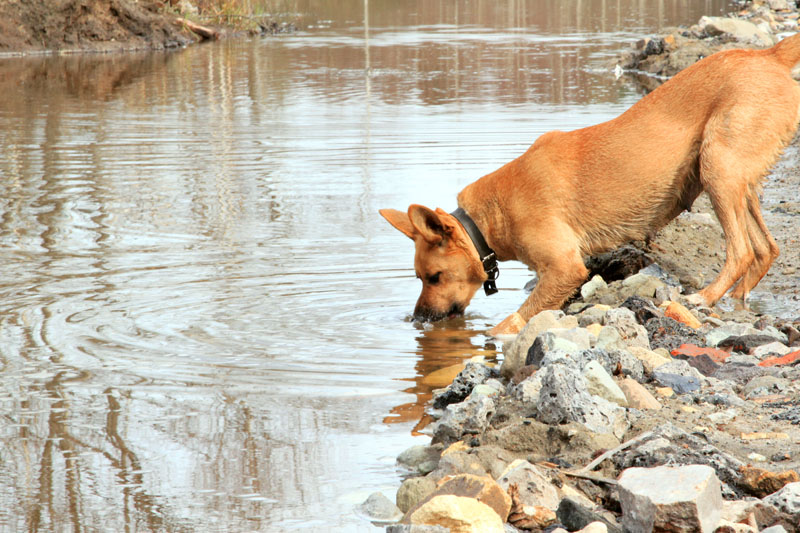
758	24
630	410
595	407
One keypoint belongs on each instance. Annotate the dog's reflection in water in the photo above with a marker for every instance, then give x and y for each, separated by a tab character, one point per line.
442	349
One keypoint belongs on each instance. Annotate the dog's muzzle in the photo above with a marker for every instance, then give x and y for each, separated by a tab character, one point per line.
433	315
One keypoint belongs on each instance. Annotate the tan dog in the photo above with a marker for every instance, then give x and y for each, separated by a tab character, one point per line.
717	126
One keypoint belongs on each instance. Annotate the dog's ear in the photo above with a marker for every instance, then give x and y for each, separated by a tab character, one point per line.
432	225
399	220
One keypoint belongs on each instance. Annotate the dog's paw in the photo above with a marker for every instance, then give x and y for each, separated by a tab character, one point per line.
511	325
697	300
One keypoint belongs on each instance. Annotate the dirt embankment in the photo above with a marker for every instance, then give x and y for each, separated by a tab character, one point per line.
90	25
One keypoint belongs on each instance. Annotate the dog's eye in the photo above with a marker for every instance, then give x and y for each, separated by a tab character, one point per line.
433	280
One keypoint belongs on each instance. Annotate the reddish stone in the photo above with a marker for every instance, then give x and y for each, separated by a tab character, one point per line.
788	359
684	351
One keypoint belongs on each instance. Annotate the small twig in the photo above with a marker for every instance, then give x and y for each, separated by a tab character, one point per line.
596	479
202	31
591	466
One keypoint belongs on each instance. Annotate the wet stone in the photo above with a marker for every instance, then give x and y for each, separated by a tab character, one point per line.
473	374
420	459
379	508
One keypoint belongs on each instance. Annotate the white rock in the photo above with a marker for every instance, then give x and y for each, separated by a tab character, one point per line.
599	383
595	527
592	286
686	498
773	348
787	499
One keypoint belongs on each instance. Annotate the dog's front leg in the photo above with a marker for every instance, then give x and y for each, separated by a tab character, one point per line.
561	272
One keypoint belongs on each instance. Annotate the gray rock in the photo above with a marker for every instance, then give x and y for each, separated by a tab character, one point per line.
654	270
787	499
678	375
667	333
471	416
420	459
668	498
640	285
741	374
592	315
745	343
611	360
642	308
670	445
575	516
737	29
733	329
379	508
624	321
558	339
774	529
680	384
473	374
564	397
773	348
763	385
571	442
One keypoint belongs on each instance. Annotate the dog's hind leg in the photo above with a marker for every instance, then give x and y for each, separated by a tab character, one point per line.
764	247
727	188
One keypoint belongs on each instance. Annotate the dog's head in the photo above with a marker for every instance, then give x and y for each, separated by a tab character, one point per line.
445	261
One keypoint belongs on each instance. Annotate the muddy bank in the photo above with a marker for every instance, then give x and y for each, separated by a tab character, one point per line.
758	24
113	25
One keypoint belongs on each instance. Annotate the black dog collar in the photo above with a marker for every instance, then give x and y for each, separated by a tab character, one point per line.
487	255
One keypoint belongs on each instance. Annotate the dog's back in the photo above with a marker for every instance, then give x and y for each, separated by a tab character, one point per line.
624	179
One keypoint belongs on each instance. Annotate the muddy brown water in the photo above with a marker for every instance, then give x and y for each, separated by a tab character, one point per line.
204	324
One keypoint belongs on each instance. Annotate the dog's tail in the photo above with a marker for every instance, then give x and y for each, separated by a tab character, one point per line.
787	52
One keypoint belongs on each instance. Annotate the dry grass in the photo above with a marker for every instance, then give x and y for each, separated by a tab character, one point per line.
243	14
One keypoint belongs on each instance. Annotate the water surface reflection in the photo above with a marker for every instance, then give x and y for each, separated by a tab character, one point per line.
203	318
